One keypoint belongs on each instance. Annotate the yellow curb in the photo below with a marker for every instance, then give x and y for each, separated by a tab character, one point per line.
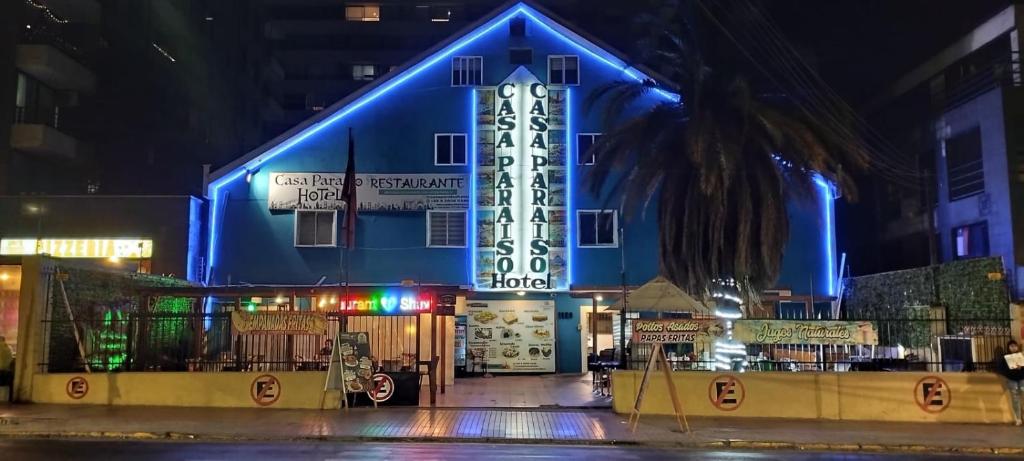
873	447
814	447
844	446
1008	451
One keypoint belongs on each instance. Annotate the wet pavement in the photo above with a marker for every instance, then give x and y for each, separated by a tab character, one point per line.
496	426
190	451
546	391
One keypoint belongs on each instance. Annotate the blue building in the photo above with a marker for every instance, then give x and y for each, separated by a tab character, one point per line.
469	164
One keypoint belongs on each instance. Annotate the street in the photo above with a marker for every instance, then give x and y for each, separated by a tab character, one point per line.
49	449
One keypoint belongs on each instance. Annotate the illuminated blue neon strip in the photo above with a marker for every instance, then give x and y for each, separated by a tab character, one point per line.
378	92
829	234
609	60
190	257
472	247
570	165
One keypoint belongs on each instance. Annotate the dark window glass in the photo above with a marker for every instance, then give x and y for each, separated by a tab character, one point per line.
459	149
588	229
556	70
443	150
572	70
964	166
606	228
584	143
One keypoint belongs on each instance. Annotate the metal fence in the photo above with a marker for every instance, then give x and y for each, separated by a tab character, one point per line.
205	342
929	343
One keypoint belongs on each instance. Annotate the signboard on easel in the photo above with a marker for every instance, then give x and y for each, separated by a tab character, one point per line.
658	359
351	368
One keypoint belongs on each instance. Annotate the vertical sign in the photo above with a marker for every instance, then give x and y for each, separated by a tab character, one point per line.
521	187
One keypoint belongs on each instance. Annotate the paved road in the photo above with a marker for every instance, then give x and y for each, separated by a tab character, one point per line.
25	449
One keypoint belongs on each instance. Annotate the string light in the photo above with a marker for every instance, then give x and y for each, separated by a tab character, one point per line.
46	11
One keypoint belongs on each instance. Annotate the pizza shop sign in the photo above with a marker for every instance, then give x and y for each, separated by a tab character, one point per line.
521	188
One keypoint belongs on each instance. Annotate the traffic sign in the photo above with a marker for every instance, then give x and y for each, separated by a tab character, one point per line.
383	388
265	390
726	392
77	387
932	394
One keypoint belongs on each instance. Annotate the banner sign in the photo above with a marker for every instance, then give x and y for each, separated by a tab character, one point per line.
676	330
805	332
375	192
521	186
279	323
512	336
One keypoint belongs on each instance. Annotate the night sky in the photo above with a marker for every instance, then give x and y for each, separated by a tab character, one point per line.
862	45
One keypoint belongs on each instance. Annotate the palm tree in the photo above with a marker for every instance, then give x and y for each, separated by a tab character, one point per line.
721	162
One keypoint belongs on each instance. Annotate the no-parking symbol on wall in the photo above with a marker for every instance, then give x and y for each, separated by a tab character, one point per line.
932	394
726	392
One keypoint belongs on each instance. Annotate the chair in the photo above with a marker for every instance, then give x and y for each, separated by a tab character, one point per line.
431	374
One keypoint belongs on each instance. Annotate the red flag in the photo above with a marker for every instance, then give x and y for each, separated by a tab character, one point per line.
348	194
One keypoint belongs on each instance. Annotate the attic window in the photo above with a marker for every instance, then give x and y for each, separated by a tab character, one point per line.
517	27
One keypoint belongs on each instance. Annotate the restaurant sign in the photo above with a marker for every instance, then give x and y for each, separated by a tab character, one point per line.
676	330
375	192
279	323
79	248
805	332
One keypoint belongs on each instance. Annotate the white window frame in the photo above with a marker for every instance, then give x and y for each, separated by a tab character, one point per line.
334	229
465	228
363	17
465	141
562	57
465	70
593	158
615	229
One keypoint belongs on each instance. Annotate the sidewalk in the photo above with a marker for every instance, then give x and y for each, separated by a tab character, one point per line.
589	427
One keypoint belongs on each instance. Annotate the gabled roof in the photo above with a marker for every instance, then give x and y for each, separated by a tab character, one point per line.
337	111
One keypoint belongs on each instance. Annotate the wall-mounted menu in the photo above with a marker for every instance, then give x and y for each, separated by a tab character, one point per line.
516	336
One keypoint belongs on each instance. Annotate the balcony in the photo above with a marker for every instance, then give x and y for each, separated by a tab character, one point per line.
54	68
77	11
43	140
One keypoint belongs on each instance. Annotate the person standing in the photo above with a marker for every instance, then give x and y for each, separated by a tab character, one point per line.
1013	379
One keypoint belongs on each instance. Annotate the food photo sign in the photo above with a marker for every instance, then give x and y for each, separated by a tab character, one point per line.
356	364
516	336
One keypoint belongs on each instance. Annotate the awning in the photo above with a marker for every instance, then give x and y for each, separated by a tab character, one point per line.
660	295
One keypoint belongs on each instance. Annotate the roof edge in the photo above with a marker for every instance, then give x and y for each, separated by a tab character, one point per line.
559	25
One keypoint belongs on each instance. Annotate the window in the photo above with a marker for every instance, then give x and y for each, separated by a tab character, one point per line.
520	56
364	72
467	70
584	141
563	70
362	13
964	166
597	228
315	228
970	241
449	149
446	229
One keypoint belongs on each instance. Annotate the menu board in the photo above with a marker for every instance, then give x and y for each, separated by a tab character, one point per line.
356	365
516	336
